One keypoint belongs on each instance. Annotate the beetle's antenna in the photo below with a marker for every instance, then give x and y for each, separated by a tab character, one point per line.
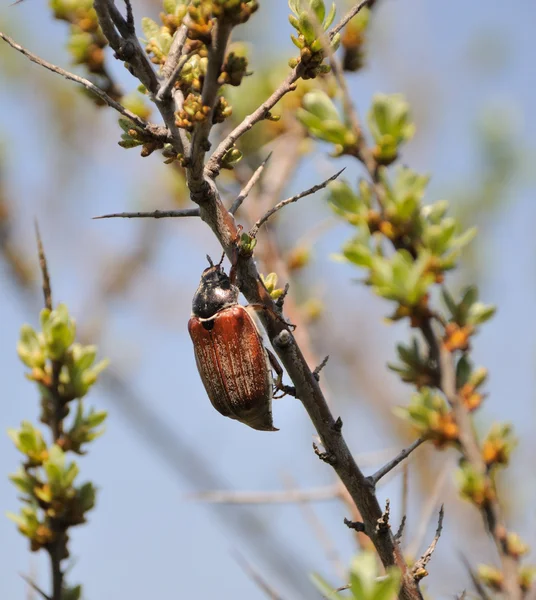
210	261
221	260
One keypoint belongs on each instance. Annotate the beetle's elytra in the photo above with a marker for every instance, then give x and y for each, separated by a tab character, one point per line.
230	356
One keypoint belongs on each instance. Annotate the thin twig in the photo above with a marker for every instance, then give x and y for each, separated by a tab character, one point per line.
474	578
425	558
292	496
400	531
427	513
47	291
213	165
257	578
249	185
175	52
311	190
467	437
348	17
174	64
320	531
405	488
155	214
35	587
149	128
395	462
55	549
221	32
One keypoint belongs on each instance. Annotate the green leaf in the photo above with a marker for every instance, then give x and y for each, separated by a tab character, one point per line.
463	371
29	348
324	588
480	313
295	6
320	105
342	197
72	593
387	587
319	9
150	28
330	17
306	28
22	481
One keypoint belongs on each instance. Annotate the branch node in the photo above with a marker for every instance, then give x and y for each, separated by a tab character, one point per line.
316	372
327	456
282	339
355	525
337	426
281	300
394	462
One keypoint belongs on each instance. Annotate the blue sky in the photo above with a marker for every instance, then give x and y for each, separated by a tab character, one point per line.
145	539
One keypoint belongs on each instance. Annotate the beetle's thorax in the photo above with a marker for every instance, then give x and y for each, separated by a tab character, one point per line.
215	292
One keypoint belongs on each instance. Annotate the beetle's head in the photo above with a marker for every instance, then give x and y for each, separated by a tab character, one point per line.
215	292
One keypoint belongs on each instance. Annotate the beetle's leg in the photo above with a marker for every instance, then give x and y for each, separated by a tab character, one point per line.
278	385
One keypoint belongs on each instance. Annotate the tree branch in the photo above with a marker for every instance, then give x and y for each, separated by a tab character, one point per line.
200	144
292	496
213	165
395	462
283	203
151	129
155	214
127	48
249	185
471	451
176	65
418	568
348	17
257	578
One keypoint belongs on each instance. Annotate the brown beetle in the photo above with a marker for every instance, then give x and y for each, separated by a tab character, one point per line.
231	359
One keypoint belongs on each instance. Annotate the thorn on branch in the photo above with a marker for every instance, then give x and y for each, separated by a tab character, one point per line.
382	525
419	568
35	587
355	525
47	290
130	18
399	533
155	214
316	372
281	300
395	462
91	87
327	456
249	186
337	426
254	230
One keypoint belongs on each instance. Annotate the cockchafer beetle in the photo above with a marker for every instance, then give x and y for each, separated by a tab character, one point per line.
231	359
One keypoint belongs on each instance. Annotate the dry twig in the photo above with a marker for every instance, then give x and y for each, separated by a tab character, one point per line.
419	568
155	214
150	129
257	578
283	203
395	462
249	185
